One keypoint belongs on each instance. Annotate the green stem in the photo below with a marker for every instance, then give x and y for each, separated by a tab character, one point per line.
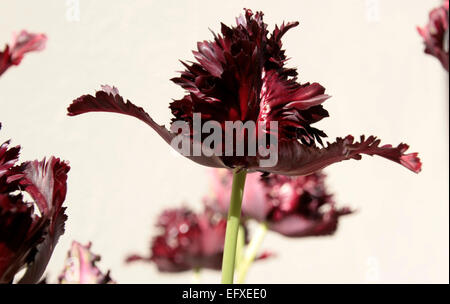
252	250
240	247
233	221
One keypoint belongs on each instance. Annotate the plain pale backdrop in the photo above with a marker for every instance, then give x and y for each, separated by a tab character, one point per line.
367	54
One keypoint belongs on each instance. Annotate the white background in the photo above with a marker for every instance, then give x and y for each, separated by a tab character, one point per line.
123	175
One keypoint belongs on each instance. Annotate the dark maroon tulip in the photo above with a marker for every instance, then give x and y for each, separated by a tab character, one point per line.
23	43
187	241
27	239
80	267
293	206
435	34
241	76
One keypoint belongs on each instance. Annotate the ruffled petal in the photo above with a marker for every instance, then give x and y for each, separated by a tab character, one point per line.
109	100
26	42
278	91
294	106
20	229
46	182
295	158
23	43
27	238
80	267
8	157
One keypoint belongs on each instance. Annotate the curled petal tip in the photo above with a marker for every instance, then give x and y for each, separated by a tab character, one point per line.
110	90
412	162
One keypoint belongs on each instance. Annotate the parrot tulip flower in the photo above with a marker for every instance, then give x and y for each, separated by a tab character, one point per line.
187	241
241	76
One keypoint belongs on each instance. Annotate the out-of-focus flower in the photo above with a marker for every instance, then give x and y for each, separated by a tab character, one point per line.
241	76
23	42
436	34
187	241
293	206
27	237
80	267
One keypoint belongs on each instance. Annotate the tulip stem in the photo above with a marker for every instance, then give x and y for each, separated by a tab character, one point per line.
240	247
251	252
233	222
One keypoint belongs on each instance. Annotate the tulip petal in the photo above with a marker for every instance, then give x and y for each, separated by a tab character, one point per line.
278	91
296	225
20	230
295	158
109	100
46	182
8	157
23	43
80	267
20	233
26	42
435	34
